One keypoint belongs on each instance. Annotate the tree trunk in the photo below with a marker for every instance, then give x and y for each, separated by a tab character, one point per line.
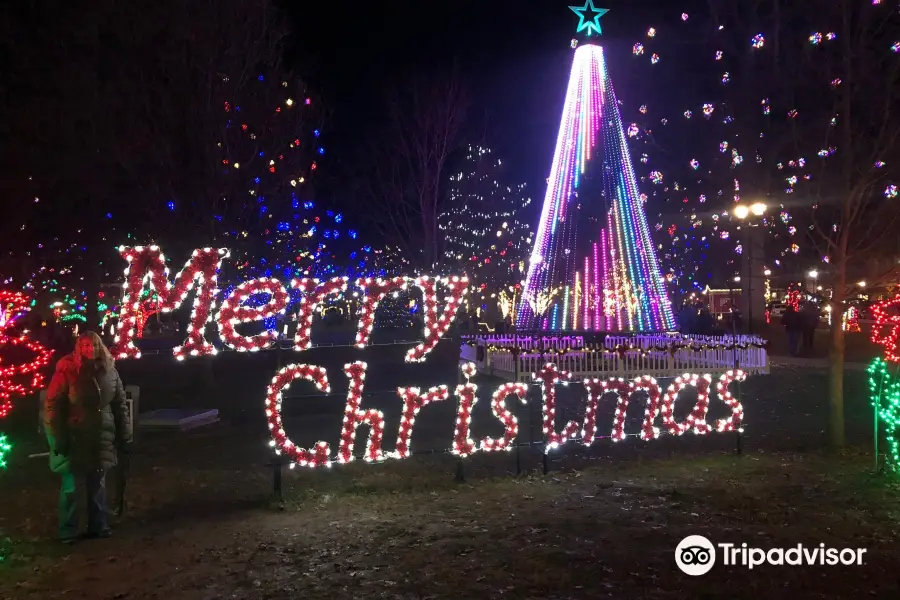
835	423
92	293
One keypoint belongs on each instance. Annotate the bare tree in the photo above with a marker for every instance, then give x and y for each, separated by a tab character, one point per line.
116	110
856	130
124	106
837	139
408	173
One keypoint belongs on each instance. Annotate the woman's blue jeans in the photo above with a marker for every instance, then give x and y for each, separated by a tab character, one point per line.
92	482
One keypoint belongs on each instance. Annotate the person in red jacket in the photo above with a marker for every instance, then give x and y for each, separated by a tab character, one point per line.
85	424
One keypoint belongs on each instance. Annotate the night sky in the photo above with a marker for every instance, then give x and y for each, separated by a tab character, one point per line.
514	56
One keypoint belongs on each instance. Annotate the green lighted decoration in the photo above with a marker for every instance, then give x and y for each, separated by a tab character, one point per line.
5	447
885	389
591	23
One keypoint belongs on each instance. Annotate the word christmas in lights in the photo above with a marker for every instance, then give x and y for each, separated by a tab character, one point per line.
414	399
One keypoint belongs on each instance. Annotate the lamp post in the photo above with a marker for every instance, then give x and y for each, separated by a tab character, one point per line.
747	214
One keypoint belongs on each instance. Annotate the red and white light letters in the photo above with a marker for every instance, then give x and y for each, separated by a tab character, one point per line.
147	271
146	265
233	312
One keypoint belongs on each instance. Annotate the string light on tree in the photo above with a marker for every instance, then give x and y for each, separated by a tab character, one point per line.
886	330
18	377
884	387
486	233
593	234
5	448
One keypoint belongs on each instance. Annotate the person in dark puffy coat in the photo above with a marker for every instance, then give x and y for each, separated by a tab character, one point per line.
85	424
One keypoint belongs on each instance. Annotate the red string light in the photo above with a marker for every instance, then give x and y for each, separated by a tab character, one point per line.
436	327
624	390
414	401
319	455
502	412
695	421
23	378
233	313
147	263
886	330
463	444
549	377
314	294
354	417
733	422
374	291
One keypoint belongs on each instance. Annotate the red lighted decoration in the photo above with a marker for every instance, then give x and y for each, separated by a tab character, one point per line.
22	378
624	390
147	271
886	330
374	291
148	264
414	401
502	412
549	377
733	422
318	456
436	326
463	444
695	421
314	293
233	313
354	417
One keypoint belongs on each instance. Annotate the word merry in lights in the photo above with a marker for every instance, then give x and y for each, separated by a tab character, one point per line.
147	266
415	399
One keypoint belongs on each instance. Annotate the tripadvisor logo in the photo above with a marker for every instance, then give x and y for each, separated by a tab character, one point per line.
696	555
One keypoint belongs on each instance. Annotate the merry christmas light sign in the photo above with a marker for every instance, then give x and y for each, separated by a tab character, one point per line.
146	266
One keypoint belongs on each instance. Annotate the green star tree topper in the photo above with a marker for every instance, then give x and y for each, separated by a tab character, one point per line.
589	18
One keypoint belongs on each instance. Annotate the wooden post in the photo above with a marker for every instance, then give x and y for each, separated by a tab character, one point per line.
277	480
516	369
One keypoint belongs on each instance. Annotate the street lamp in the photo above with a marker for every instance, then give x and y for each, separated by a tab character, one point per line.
813	274
744	212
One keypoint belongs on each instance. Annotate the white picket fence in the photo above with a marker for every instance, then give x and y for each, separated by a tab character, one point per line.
522	341
590	362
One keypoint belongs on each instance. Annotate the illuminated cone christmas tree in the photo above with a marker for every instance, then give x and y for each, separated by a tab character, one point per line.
593	265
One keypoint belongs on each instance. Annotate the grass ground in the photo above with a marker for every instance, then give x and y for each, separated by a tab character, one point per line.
406	530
